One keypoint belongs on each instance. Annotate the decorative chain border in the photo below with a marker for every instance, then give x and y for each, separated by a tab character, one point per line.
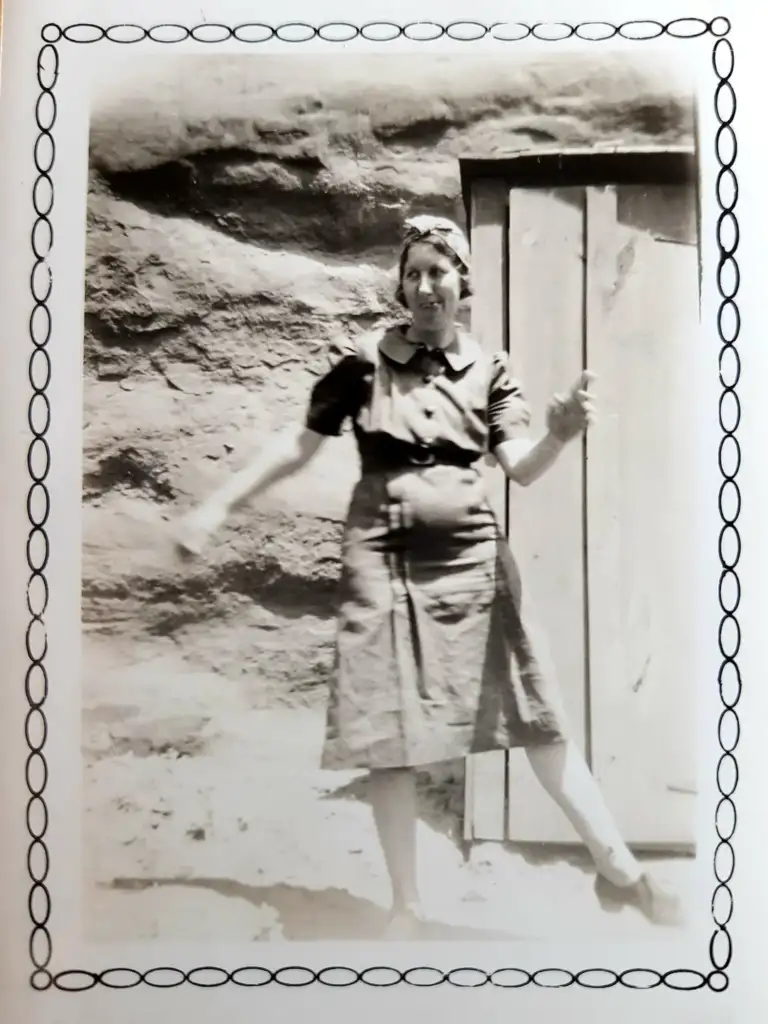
38	511
387	31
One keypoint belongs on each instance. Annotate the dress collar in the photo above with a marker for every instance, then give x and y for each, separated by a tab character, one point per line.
461	353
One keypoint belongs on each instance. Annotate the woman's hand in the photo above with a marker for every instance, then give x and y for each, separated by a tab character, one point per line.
571	414
196	528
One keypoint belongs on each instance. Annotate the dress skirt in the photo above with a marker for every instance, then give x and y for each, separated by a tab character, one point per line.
433	660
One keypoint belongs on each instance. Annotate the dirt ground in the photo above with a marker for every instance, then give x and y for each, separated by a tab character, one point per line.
207	819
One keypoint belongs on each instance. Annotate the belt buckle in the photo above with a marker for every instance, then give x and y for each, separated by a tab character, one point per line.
426	457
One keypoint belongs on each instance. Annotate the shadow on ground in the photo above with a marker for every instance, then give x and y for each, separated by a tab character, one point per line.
436	808
440	797
309	915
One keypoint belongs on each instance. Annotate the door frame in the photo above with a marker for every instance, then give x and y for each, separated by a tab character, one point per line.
563	168
557	167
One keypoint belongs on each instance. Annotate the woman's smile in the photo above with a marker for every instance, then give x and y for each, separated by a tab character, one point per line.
431	284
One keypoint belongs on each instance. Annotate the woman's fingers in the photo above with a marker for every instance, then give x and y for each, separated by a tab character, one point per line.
191	536
577	405
573	412
585	378
189	542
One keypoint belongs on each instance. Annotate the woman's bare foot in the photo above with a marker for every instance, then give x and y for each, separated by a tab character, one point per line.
659	905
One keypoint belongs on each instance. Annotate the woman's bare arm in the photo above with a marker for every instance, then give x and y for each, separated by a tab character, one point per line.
568	416
525	460
282	457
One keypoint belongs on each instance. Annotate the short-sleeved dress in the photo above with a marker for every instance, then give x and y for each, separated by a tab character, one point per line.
434	660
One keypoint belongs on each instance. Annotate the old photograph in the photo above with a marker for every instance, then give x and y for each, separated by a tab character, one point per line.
390	498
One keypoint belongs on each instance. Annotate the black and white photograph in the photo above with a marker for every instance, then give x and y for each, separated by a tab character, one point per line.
389	493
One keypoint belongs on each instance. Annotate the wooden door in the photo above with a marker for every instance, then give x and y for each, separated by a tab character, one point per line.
605	278
546	520
485	809
642	331
528	254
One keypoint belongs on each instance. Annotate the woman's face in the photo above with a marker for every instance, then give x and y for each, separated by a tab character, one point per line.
431	285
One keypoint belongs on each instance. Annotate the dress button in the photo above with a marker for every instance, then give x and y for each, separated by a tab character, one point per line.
429	410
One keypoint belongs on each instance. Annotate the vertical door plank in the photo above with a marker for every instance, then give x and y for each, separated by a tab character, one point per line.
642	318
484	815
546	520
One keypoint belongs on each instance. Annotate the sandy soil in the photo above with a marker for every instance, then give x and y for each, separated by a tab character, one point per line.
207	818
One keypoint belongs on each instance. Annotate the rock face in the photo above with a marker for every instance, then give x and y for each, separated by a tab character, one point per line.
243	220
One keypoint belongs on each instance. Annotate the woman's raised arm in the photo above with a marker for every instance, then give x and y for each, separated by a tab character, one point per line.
282	456
523	460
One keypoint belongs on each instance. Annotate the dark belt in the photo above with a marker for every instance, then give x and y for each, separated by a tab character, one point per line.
392	458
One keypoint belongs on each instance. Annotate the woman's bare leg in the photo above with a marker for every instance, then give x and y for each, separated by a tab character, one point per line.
393	798
565	775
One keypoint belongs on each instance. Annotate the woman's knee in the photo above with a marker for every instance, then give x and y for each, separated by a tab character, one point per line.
549	762
390	774
548	752
391	780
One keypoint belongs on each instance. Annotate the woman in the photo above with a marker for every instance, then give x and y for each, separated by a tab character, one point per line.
434	660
